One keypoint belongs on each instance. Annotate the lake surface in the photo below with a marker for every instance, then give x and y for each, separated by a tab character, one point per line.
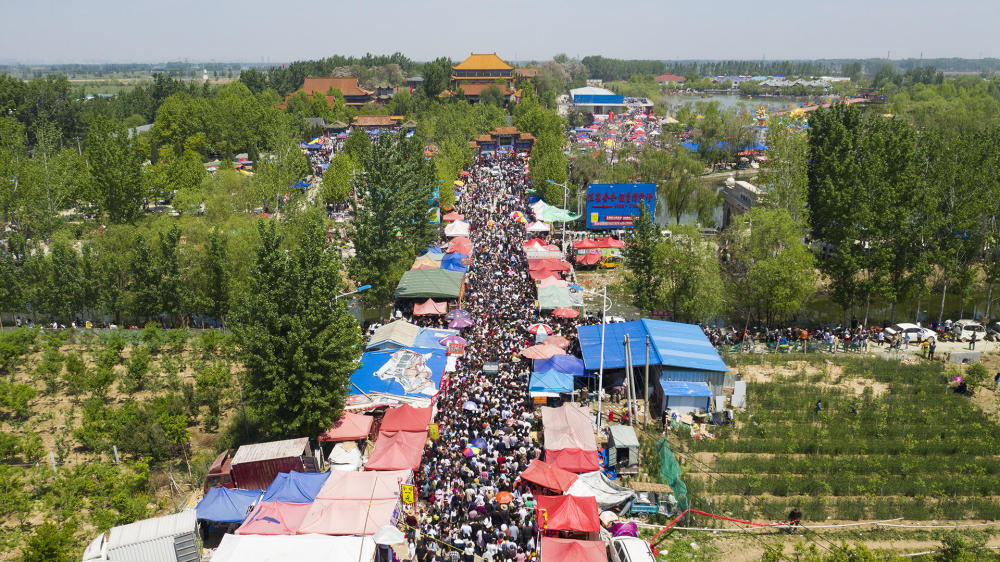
772	103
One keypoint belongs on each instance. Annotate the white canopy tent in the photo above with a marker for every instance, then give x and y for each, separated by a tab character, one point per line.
294	548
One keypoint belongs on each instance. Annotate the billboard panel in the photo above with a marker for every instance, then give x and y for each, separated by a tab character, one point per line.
613	205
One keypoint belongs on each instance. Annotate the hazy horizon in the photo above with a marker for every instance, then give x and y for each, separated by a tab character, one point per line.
253	31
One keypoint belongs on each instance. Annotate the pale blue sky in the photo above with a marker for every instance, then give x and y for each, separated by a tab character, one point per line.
50	31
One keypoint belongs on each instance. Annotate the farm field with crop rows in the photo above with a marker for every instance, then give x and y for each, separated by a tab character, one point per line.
890	441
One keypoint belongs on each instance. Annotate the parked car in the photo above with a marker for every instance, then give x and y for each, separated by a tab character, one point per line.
963	330
630	549
917	334
993	332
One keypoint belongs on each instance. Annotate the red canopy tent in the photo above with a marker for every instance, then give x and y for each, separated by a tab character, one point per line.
557	550
535	242
460	244
548	476
406	418
549	263
588	259
453	216
430	308
608	242
350	427
584	244
539	274
568	513
396	450
274	518
573	460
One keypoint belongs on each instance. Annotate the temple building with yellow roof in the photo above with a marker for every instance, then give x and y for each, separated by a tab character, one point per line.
480	71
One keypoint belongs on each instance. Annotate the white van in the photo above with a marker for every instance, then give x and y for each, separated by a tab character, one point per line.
963	330
630	549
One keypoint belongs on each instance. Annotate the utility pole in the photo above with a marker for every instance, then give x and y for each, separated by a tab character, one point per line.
645	388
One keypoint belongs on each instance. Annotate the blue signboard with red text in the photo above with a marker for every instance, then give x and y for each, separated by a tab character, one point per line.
613	205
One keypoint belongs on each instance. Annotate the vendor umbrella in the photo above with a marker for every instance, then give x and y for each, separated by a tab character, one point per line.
504	497
565	312
557	341
460	323
452	339
457	313
543	328
470	405
541	351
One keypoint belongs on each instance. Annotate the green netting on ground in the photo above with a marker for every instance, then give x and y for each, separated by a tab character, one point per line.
670	473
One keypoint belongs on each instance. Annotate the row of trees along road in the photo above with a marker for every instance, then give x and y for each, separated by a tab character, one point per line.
759	270
901	207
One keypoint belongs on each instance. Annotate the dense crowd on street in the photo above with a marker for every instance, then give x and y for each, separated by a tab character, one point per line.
474	504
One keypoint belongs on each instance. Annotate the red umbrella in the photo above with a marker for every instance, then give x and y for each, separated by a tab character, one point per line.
505	497
535	328
565	312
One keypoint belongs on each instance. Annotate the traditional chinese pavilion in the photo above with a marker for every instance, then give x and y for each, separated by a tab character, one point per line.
503	139
480	71
354	94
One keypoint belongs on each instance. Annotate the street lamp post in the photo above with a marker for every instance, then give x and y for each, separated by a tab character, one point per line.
565	188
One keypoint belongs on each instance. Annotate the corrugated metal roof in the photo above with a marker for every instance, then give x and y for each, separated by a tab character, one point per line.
272	450
152	529
682	388
672	344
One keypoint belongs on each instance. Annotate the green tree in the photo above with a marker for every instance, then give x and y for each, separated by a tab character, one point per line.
51	543
436	75
692	281
770	274
390	222
115	170
678	186
337	178
298	349
358	144
785	175
492	95
644	260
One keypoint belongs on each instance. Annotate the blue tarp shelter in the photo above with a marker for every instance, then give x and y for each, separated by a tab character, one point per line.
295	487
453	262
364	380
672	344
550	382
563	363
428	338
684	397
225	505
302	183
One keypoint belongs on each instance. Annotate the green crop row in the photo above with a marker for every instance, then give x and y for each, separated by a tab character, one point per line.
939	485
872	464
820	509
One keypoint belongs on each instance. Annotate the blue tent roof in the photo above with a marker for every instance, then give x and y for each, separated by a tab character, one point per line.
562	363
295	487
453	262
551	381
428	338
672	344
684	388
225	505
432	249
364	379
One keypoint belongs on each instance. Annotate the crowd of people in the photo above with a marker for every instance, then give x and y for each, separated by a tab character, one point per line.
473	503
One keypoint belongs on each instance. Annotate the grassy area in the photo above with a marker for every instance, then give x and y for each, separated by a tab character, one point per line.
891	441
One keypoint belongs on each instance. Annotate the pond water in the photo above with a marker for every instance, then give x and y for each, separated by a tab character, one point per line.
772	103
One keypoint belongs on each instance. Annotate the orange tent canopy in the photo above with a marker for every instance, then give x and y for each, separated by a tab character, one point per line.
548	476
556	549
349	427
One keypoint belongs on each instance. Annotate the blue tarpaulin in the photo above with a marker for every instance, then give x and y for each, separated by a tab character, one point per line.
428	338
295	487
364	379
225	505
563	363
551	381
672	344
453	262
302	183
